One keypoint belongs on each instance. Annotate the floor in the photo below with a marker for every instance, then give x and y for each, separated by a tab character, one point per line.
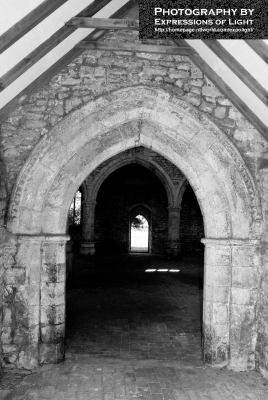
133	332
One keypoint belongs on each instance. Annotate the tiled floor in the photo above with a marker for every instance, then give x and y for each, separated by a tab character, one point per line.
133	334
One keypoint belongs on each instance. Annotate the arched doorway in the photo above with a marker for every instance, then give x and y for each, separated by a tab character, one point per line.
140	229
75	146
139	234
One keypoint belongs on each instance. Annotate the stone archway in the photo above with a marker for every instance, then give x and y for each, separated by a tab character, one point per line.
59	164
92	186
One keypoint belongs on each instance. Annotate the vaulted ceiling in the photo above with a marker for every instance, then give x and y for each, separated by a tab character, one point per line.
35	44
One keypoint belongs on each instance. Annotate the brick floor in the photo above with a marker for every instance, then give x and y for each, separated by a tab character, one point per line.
133	334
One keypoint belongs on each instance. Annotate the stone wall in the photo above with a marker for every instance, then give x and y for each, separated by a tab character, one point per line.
96	73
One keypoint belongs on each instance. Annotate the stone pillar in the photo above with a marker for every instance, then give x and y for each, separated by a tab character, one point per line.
216	307
34	303
21	326
173	245
246	268
88	244
231	288
262	337
52	298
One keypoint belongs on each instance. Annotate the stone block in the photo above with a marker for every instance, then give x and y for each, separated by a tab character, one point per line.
211	91
218	294
220	314
91	149
99	72
243	256
244	277
53	272
178	74
35	187
217	275
203	140
219	255
73	166
33	314
53	251
15	276
220	112
53	315
111	138
28	256
154	71
244	296
208	313
193	99
53	221
36	124
7	337
217	225
196	82
28	358
7	317
52	333
70	82
32	294
72	103
52	294
60	186
51	353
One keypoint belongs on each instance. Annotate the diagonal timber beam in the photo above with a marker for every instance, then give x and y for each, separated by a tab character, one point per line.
238	69
71	55
260	47
47	46
135	47
28	22
103	23
226	90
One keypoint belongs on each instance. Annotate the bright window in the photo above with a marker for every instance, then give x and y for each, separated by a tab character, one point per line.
75	209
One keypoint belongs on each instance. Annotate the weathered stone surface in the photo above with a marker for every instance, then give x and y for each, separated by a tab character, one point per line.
179	115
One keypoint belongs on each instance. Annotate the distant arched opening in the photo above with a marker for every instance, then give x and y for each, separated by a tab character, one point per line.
139	234
140	227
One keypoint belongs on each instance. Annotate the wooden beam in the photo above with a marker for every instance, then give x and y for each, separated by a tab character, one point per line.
135	47
104	23
260	47
227	91
44	79
238	69
28	22
47	46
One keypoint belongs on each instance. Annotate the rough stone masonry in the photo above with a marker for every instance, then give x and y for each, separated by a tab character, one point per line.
103	104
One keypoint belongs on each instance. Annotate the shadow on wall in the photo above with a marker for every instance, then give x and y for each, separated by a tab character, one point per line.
191	224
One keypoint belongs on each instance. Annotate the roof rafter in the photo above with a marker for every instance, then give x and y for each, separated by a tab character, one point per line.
238	69
104	23
28	22
260	47
135	47
226	90
44	78
48	45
